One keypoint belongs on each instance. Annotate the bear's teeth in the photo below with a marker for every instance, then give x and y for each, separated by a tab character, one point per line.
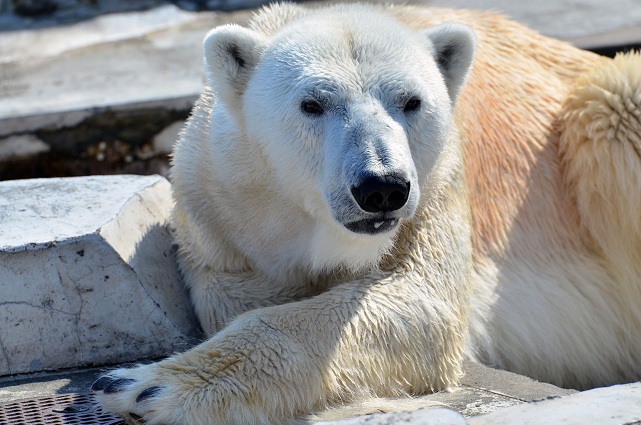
378	224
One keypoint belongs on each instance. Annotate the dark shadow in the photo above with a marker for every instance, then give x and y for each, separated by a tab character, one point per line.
611	51
154	255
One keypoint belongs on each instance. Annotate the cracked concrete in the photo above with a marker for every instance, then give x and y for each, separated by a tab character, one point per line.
88	274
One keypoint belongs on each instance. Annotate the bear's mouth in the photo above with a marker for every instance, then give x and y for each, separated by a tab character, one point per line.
372	226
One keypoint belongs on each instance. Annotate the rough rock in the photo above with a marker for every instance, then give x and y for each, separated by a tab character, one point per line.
88	273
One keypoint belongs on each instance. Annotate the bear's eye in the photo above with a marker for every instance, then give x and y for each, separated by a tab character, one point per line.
412	105
311	107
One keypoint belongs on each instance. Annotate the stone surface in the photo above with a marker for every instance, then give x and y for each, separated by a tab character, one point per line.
112	61
45	384
88	273
616	405
586	23
483	390
422	417
96	92
127	58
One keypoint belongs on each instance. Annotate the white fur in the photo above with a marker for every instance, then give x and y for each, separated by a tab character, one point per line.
305	313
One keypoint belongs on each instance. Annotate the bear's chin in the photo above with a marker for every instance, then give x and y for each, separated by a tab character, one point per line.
372	226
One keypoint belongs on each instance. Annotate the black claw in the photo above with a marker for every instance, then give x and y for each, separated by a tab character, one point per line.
117	385
137	417
101	383
148	393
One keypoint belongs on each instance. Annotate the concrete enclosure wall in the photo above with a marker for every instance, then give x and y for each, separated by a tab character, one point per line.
88	273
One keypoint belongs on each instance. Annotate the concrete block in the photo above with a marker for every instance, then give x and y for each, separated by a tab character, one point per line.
88	273
616	405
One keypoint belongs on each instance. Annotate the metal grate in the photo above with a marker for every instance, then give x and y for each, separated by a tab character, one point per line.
65	409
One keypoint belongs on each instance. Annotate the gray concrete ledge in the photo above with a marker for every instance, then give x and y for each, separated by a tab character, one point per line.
88	273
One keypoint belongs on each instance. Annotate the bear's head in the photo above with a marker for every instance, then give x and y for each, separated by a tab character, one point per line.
350	109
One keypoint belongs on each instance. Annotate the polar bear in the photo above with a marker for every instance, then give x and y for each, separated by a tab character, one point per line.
359	209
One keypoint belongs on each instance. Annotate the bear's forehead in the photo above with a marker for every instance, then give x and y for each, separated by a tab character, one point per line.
348	50
346	36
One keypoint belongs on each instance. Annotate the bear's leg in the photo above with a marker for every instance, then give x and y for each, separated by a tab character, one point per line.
385	335
219	298
601	150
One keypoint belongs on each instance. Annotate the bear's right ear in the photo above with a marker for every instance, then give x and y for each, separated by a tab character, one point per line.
231	54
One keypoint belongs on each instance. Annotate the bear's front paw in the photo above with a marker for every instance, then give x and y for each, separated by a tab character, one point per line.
251	373
205	386
128	393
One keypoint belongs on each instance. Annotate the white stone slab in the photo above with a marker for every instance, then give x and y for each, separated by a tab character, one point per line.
58	76
88	273
418	417
616	405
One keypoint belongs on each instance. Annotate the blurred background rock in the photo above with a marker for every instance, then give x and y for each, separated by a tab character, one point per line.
103	86
72	10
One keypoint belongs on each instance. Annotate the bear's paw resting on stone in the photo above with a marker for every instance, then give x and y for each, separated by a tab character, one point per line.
359	208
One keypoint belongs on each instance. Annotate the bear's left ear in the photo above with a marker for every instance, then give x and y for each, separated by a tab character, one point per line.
231	54
454	47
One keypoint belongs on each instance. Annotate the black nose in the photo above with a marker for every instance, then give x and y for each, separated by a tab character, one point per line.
382	193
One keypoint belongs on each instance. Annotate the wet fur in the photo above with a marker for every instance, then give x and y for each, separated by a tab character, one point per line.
523	249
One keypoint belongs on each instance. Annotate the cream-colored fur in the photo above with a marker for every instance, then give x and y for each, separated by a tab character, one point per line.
519	244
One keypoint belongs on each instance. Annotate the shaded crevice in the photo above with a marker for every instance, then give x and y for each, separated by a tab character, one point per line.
108	142
6	357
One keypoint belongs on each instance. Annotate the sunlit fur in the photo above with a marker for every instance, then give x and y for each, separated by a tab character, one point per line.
520	245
